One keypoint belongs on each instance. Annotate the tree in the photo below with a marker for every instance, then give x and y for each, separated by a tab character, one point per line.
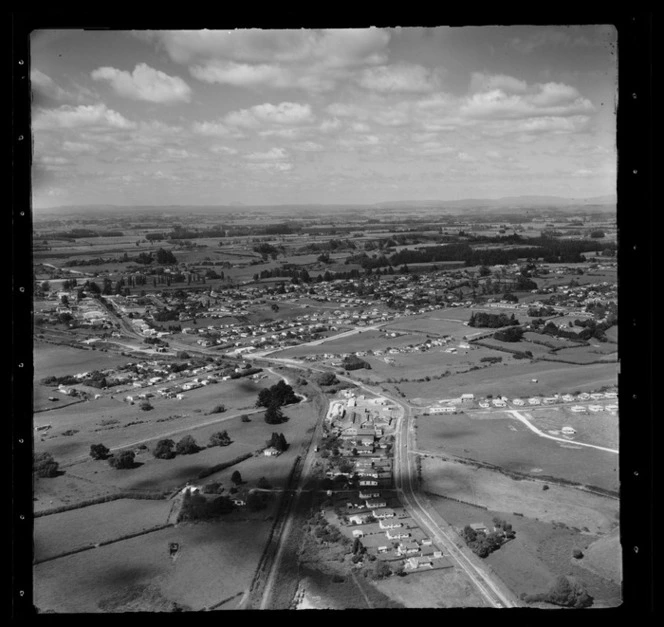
245	418
218	409
274	415
45	286
327	378
44	465
145	405
99	451
187	446
164	449
122	460
278	441
236	477
221	438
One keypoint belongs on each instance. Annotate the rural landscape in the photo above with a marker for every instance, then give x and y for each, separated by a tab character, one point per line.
278	403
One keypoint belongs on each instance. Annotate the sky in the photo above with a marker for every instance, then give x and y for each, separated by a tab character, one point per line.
349	116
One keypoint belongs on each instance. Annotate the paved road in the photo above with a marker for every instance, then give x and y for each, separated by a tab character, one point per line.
495	593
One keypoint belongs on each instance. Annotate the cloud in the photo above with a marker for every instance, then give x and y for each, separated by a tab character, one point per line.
46	87
223	150
211	129
400	78
487	82
145	83
312	60
335	47
78	147
274	154
308	146
286	113
550	99
67	116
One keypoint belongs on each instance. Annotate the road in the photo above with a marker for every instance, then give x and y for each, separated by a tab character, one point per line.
167	434
534	429
495	593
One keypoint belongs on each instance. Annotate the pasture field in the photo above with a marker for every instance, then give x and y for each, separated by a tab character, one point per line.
153	474
603	557
612	333
416	365
516	380
599	428
442	588
439	322
540	552
509	444
536	349
216	560
51	360
90	419
552	342
57	533
585	355
480	486
362	341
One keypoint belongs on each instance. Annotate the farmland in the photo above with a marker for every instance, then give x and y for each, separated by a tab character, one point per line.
508	444
514	380
197	578
181	325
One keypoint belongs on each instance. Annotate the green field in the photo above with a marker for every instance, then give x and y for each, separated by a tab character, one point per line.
216	560
509	444
51	360
515	380
58	533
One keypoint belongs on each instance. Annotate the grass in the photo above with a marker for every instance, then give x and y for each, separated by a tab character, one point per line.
63	532
515	380
215	561
507	443
496	491
57	361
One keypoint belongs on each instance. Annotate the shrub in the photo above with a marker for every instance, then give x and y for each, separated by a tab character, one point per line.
577	554
245	418
145	405
236	477
218	409
214	487
187	446
122	460
545	487
264	484
197	507
164	449
44	465
99	451
221	438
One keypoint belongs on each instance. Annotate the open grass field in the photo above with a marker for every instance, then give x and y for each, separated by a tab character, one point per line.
515	380
540	552
58	533
436	589
51	360
509	444
536	349
434	362
439	322
363	341
603	557
216	560
480	486
153	474
90	419
599	428
552	342
585	354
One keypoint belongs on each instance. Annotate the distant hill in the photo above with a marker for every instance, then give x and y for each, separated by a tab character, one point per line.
508	202
489	205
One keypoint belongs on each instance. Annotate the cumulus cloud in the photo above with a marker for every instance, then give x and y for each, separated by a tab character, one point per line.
68	116
488	82
274	154
223	150
78	147
400	78
287	113
308	146
334	46
312	60
211	129
145	83
571	36
550	99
